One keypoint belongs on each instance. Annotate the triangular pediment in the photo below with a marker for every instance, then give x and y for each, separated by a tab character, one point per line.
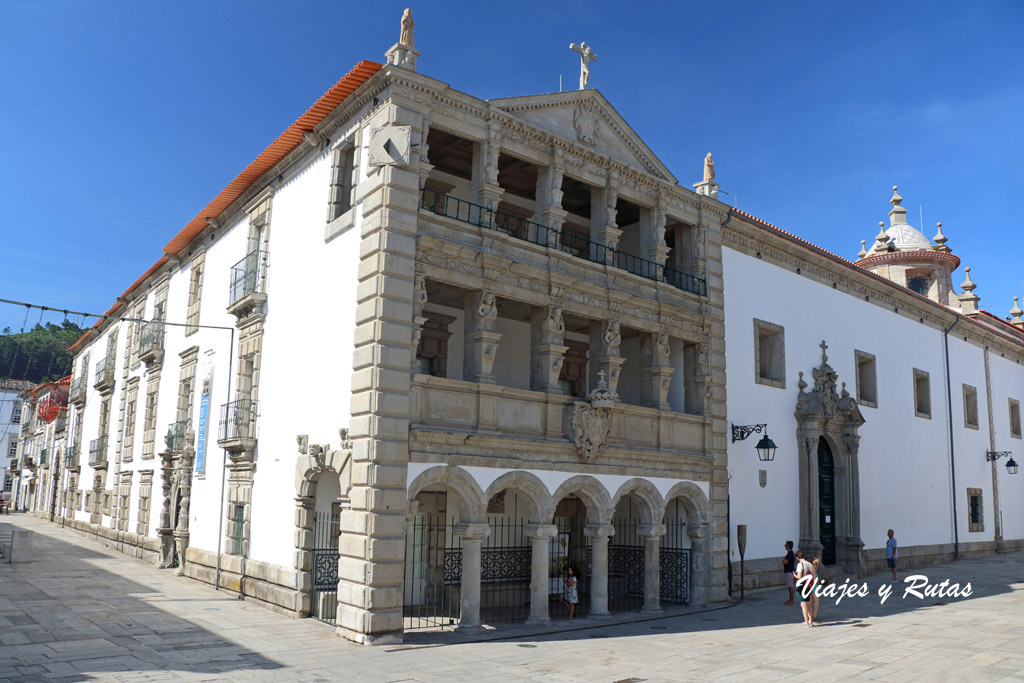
585	118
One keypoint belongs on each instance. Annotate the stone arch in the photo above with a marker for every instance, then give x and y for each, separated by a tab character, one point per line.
698	514
651	501
542	507
593	494
470	501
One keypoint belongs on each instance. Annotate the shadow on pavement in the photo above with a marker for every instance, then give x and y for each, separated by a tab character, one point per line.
63	617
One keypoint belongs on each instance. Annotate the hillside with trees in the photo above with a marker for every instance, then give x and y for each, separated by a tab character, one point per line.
39	355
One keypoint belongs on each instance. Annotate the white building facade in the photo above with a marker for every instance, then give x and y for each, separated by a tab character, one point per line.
428	351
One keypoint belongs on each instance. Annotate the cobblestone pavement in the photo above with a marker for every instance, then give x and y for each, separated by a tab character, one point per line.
80	612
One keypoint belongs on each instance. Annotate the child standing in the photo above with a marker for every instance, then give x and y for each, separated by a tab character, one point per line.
569	597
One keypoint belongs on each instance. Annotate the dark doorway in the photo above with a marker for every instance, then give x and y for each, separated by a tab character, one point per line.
826	502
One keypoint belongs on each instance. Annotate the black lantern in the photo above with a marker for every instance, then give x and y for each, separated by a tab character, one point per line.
1011	464
765	447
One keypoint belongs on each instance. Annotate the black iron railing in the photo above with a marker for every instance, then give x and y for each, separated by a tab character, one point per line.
104	372
238	420
77	389
564	240
151	337
98	451
175	438
246	276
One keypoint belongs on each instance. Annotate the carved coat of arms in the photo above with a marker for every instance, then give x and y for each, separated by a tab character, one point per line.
590	429
588	126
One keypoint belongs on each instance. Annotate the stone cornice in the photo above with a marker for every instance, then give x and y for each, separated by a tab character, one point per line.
909	257
816	264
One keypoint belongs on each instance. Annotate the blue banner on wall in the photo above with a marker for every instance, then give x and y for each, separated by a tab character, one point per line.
204	411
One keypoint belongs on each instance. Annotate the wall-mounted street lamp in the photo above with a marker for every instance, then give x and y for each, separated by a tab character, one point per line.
765	447
1011	464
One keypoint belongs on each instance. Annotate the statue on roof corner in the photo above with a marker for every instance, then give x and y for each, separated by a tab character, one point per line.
709	169
586	56
407	26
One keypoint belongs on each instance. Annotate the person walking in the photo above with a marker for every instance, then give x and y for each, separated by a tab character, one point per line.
569	596
890	554
788	567
803	578
815	598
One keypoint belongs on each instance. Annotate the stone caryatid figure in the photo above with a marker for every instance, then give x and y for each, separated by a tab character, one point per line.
586	56
709	168
407	28
487	312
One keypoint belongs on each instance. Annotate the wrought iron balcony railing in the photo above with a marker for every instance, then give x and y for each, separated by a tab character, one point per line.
104	377
175	438
76	393
151	340
564	240
98	451
238	420
71	457
247	277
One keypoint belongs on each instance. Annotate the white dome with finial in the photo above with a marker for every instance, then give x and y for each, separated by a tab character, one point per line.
902	235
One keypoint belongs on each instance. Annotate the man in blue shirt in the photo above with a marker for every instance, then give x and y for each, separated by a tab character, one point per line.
890	554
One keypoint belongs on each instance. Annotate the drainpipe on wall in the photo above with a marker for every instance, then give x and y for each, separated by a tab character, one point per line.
949	420
223	475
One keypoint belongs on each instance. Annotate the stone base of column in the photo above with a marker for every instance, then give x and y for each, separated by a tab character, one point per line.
612	366
480	351
604	616
490	196
537	622
607	236
708	188
552	218
369	639
656	380
658	253
547	368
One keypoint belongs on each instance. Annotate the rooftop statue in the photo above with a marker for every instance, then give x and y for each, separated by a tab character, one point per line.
709	168
586	56
407	27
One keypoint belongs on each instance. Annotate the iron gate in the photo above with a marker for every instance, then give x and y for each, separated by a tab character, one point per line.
432	585
569	547
326	532
505	562
674	563
626	567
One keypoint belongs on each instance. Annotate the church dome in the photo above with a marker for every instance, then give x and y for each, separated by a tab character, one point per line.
902	235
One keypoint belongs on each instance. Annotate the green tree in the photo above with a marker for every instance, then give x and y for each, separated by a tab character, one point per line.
39	355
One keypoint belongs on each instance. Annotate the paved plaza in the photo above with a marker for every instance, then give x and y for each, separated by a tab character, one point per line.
80	612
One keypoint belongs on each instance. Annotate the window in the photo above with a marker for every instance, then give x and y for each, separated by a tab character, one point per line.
867	379
342	172
237	530
922	394
8	482
1014	418
137	311
195	293
769	354
423	365
128	442
149	420
160	303
16	413
970	407
12	448
975	510
918	284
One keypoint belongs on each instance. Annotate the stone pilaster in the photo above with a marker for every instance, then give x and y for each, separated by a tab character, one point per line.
486	189
481	343
657	249
604	230
472	537
373	527
605	338
656	374
549	195
418	319
652	533
547	352
540	536
425	166
599	535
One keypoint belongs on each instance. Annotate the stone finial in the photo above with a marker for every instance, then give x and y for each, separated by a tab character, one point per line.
801	385
824	349
882	239
863	252
940	239
1015	315
968	300
898	214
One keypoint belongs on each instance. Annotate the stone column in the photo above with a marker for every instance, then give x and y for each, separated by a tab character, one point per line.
425	166
472	536
657	249
652	533
481	343
540	536
603	213
657	372
547	352
549	196
700	564
605	339
305	507
599	535
486	189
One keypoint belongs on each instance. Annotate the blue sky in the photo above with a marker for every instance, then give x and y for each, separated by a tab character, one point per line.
119	121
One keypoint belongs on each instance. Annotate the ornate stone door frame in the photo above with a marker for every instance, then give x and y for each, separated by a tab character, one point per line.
824	413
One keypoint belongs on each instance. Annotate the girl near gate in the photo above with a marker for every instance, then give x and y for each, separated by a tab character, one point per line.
803	592
569	596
